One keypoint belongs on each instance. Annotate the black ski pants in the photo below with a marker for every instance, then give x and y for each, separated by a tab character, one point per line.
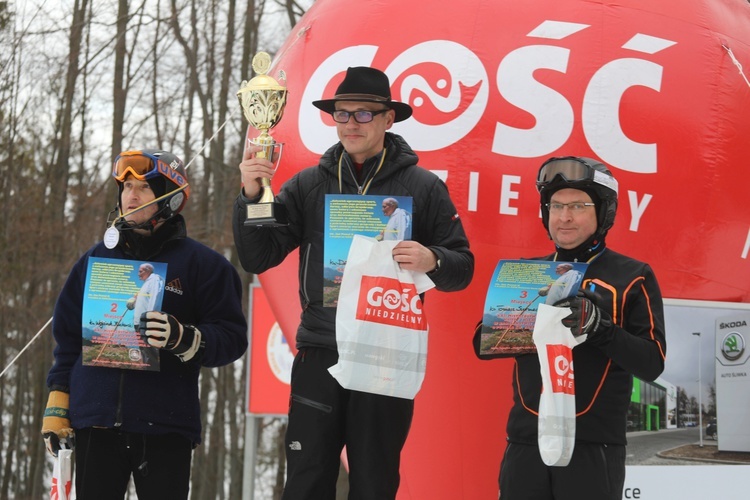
324	417
596	471
106	458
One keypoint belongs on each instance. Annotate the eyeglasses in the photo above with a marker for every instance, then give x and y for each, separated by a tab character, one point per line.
141	165
576	206
361	116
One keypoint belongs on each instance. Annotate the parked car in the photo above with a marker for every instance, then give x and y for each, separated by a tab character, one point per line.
711	429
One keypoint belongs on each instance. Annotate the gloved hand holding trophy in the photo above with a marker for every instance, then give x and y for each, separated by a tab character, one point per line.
263	100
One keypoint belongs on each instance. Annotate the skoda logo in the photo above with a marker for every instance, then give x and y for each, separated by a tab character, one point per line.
733	346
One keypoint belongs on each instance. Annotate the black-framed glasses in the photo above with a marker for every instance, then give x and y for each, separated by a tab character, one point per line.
361	116
576	206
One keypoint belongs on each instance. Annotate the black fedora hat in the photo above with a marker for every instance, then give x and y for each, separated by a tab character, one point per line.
364	84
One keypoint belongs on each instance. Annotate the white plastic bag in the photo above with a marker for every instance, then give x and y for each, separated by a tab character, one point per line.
381	329
557	404
62	473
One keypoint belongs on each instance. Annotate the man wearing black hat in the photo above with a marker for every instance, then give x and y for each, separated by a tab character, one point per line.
621	315
324	417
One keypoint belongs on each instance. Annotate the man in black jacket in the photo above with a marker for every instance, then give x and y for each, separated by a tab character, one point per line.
624	323
323	417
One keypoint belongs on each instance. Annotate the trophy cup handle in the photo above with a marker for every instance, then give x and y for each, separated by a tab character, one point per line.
277	155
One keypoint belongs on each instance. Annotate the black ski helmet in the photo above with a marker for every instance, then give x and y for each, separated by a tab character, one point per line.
585	174
164	172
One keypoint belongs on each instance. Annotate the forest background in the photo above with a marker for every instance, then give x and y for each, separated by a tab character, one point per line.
81	81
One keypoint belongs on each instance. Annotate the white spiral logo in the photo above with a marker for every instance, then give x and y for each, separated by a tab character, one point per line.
463	67
465	70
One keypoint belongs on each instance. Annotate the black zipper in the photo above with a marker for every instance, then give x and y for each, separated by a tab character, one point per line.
303	275
313	404
603	449
118	410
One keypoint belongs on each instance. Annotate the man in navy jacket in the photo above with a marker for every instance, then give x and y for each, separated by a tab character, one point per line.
143	422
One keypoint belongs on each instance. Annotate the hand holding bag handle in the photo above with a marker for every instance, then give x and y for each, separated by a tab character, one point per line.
381	330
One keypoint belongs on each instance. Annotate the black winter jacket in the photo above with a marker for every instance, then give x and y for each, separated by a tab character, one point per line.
435	225
634	344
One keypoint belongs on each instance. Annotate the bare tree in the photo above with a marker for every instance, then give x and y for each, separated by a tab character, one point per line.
35	194
119	91
293	10
60	169
77	87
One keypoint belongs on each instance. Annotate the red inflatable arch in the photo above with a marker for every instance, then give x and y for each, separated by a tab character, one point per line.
652	89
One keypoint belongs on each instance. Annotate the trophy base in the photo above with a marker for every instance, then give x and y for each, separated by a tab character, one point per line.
266	214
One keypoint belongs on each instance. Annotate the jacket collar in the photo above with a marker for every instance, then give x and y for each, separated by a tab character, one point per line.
146	247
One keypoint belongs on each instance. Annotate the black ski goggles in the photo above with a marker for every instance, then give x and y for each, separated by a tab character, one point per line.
570	168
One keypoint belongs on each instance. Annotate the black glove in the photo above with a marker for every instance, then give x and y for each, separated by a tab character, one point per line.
585	316
162	330
56	423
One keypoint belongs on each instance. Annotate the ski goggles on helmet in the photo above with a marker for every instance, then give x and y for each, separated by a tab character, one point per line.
570	169
573	169
140	165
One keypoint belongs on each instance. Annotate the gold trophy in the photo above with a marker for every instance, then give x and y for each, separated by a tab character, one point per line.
263	100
